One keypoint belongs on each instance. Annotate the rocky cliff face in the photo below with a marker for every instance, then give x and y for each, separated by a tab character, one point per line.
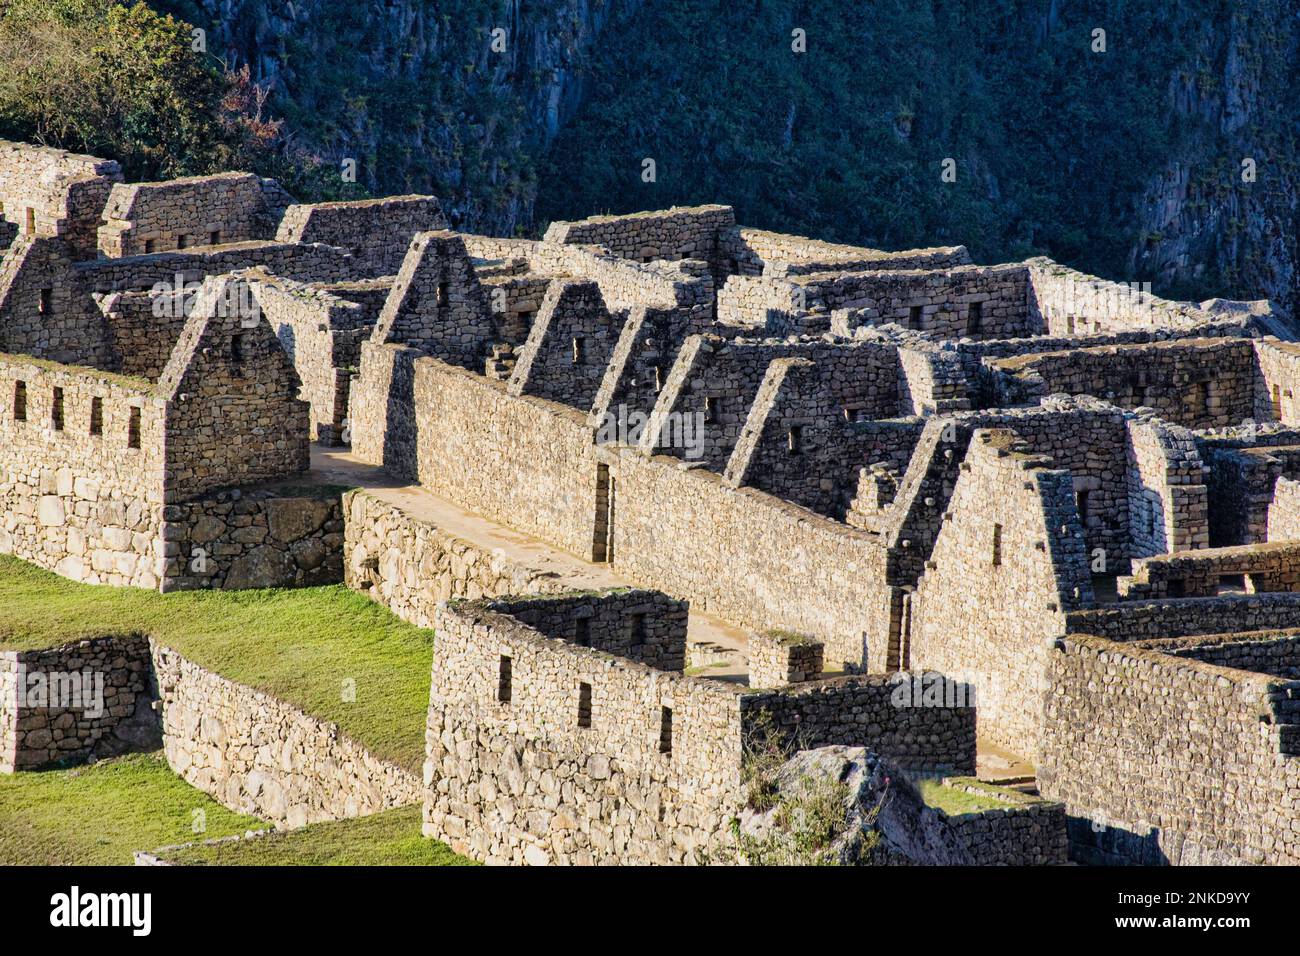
1226	200
423	95
1128	162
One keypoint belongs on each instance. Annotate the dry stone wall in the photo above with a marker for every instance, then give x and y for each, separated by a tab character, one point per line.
568	347
89	698
258	755
1006	566
264	538
677	233
76	496
411	565
191	211
1166	760
1197	383
376	231
53	193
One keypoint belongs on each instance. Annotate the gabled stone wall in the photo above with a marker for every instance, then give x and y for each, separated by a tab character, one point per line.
568	347
1007	564
376	231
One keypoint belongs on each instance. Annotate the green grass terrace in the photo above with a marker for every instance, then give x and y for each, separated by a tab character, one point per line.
301	646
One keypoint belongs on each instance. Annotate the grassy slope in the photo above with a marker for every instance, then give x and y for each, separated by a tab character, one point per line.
391	838
298	645
97	815
956	802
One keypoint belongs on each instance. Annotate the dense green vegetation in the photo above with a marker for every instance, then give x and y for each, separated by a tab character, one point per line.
101	813
125	82
1054	143
391	838
298	645
1125	162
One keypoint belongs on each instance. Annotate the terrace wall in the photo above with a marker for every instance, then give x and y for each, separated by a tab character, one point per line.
1166	760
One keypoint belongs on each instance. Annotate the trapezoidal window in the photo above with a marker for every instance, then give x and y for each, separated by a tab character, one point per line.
444	296
505	679
711	409
133	428
1081	504
914	317
638	630
237	348
148	246
20	401
56	410
97	416
974	318
659	378
794	440
214	237
997	545
584	705
582	631
579	350
665	730
46	302
182	241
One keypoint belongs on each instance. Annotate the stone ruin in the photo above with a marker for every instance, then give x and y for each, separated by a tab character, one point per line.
893	508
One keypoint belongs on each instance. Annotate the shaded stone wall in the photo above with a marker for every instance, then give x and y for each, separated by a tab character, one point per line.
1273	566
143	328
801	444
260	539
714	382
568	347
755	251
1276	653
322	335
305	263
61	705
1185	617
1198	383
45	309
376	231
632	623
677	233
1166	760
865	711
968	301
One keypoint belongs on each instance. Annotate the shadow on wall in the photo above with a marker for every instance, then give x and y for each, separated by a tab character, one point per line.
1096	844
